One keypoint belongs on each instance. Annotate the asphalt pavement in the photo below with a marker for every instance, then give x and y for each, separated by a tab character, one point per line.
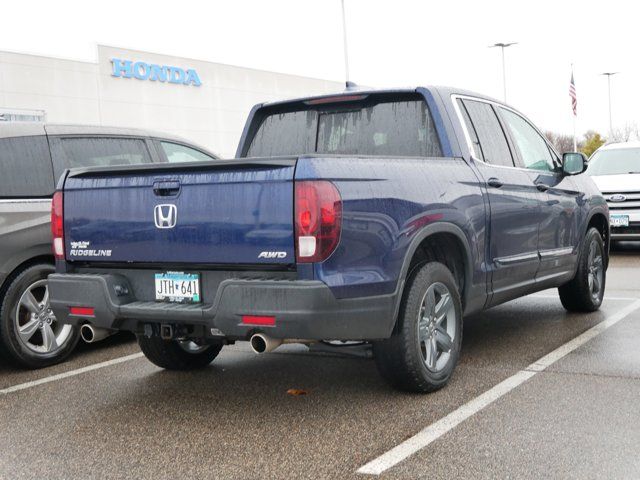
109	413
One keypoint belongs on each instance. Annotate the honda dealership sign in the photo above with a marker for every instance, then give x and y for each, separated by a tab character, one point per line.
153	72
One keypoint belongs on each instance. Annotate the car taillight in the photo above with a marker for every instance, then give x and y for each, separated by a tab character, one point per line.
318	220
57	229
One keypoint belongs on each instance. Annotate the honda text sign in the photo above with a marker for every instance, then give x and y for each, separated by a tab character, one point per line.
153	72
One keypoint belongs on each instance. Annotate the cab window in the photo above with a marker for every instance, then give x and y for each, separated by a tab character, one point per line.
533	149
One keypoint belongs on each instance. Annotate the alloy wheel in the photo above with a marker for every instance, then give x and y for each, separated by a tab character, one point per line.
596	270
36	324
437	325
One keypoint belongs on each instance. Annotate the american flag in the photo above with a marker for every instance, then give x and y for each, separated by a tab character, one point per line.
574	98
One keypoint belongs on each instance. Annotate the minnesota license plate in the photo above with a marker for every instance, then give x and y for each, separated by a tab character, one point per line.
619	220
178	287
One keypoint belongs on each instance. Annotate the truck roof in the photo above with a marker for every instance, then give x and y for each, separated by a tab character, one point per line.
443	91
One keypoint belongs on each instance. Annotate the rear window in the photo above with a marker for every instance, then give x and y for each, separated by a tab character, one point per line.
390	128
97	152
26	167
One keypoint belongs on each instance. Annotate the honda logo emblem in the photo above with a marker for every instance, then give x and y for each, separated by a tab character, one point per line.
165	216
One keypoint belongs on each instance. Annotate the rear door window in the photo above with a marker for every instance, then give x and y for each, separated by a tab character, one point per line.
491	137
390	128
473	136
177	153
26	169
72	152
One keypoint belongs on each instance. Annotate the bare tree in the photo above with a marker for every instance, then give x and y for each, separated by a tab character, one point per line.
561	142
625	133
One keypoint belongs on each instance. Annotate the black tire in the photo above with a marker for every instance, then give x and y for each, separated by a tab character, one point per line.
13	348
578	294
401	359
168	354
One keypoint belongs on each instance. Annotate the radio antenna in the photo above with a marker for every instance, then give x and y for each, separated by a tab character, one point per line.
346	50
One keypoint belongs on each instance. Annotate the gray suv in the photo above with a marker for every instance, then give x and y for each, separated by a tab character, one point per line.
32	157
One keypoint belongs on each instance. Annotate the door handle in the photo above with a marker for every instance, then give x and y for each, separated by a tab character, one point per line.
166	188
542	187
494	182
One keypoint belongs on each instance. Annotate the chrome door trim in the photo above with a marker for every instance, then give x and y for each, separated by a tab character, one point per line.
512	259
556	252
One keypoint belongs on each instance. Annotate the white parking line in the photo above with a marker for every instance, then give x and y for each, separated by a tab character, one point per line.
627	299
71	373
447	423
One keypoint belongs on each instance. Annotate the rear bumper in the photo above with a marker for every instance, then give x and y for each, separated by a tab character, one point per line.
302	309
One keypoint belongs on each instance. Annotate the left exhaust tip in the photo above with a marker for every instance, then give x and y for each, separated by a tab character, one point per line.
92	334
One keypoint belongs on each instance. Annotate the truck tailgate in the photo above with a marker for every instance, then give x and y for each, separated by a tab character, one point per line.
235	212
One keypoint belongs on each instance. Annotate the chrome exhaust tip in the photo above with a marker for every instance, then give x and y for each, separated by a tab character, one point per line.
261	343
92	334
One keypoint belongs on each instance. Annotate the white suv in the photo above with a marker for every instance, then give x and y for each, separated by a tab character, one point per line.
615	169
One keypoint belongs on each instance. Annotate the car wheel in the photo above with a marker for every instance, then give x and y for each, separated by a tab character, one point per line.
30	335
584	293
424	348
178	354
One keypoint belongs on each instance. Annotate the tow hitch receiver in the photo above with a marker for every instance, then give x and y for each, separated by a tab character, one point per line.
166	332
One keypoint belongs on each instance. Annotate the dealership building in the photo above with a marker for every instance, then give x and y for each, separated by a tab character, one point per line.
204	102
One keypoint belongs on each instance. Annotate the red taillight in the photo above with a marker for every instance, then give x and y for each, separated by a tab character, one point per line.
57	228
318	220
82	311
262	320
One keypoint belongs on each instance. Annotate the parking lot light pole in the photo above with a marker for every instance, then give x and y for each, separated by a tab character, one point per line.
504	71
609	75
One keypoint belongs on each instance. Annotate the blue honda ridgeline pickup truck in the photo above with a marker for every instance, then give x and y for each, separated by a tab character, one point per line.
379	216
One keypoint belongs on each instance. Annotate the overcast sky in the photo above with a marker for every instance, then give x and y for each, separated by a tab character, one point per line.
391	43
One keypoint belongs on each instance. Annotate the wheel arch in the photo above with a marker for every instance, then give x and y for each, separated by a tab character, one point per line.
599	220
25	261
451	239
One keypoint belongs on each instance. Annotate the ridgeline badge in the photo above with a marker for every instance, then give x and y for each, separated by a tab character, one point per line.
81	249
153	72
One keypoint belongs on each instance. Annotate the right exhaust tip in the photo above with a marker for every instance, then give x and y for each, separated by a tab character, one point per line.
261	343
258	343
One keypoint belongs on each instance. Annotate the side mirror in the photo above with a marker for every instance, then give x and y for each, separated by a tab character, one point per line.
574	163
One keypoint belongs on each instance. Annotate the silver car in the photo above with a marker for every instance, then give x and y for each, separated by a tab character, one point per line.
32	157
615	169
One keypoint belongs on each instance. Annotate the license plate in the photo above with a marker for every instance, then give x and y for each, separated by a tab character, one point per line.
178	287
619	220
